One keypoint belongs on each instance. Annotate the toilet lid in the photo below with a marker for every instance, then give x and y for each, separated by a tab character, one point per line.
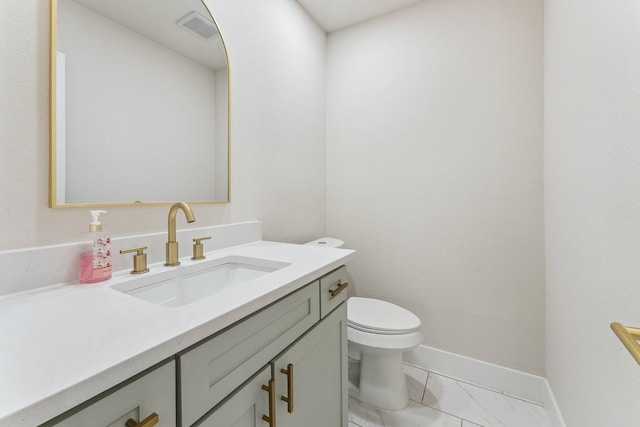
377	316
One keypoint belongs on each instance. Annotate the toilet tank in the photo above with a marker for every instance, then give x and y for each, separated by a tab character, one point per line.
327	242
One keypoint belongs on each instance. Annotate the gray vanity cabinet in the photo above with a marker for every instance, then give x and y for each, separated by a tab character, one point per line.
313	374
137	399
284	365
246	407
306	358
304	386
212	370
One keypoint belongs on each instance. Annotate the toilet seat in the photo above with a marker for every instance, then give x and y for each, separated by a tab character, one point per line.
378	333
380	317
381	326
384	342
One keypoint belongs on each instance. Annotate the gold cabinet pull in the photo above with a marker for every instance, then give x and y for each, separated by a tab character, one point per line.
340	288
198	248
629	337
139	259
271	389
289	397
150	421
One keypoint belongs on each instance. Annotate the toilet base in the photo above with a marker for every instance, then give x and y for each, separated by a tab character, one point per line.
382	382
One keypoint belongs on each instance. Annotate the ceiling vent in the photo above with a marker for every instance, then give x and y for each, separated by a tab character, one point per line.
199	25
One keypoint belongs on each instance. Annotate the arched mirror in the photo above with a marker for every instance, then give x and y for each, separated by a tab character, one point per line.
139	103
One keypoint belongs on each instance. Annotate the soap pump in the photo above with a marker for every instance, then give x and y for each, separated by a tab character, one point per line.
95	258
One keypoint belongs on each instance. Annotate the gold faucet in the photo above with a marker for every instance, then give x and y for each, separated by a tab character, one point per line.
172	244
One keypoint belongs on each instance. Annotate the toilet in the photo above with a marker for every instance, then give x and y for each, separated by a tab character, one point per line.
378	333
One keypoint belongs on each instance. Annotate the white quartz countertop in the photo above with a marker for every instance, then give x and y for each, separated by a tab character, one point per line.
63	344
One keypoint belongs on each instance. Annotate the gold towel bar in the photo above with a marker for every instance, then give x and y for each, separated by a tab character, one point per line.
629	337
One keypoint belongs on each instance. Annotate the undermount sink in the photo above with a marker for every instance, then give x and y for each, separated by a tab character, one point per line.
191	283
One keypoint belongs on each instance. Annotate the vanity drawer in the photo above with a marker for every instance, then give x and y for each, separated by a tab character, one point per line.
213	369
333	290
152	393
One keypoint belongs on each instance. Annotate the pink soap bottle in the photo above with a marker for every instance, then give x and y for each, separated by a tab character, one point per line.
95	258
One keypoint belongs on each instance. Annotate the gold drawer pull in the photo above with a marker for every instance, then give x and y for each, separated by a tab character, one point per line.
629	337
340	288
289	397
271	388
150	421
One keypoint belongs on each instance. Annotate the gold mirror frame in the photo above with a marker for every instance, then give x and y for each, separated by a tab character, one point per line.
53	127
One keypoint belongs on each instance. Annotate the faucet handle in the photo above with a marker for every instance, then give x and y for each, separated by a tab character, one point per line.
198	248
139	259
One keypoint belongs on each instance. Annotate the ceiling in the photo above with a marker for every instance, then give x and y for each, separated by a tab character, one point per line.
333	15
161	25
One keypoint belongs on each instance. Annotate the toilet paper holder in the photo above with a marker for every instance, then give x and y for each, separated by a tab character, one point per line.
629	337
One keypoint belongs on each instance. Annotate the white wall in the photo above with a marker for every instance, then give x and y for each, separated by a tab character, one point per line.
278	127
434	170
592	207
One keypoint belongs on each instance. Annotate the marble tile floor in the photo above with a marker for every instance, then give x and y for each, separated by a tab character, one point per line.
440	401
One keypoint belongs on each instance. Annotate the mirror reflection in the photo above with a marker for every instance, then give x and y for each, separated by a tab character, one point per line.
139	103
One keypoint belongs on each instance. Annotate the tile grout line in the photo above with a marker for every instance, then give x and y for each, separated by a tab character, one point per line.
462	420
424	389
426	383
488	389
429	378
450	414
467	382
524	400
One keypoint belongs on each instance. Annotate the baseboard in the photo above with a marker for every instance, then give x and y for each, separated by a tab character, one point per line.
505	380
552	407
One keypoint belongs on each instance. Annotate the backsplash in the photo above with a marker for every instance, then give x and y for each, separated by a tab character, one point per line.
32	268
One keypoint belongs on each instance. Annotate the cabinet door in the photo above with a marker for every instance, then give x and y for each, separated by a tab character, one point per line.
154	392
212	370
316	376
245	408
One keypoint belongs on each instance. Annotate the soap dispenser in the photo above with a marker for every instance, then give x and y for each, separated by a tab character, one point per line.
95	258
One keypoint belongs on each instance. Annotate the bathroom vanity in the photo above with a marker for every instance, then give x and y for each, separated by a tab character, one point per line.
271	351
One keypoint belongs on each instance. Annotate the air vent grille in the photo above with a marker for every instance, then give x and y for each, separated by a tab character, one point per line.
198	24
